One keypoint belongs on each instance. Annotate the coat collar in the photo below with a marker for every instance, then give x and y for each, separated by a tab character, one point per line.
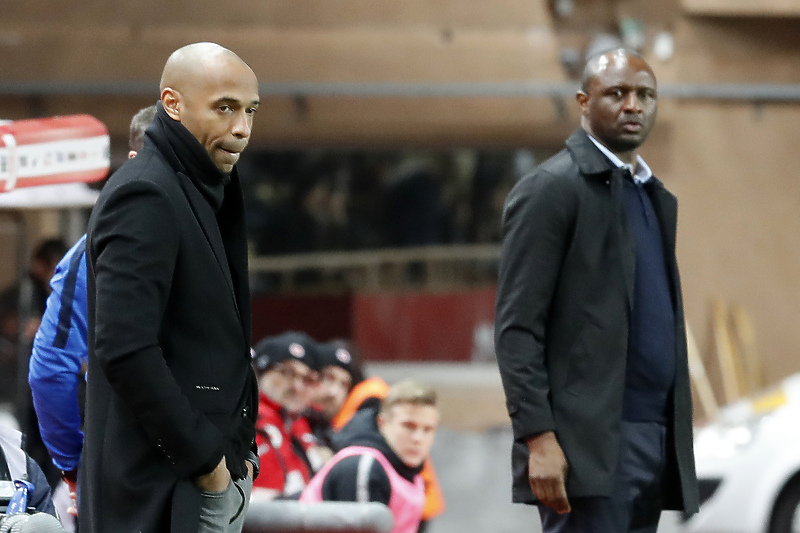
590	160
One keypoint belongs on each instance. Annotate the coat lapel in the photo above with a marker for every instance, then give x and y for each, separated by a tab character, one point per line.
666	208
596	166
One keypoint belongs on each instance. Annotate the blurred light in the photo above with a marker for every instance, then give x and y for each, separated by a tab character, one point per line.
724	441
663	46
564	8
633	33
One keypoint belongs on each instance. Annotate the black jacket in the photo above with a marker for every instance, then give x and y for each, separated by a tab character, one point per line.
170	386
563	307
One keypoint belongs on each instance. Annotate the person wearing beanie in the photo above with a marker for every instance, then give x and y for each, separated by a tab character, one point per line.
287	367
340	372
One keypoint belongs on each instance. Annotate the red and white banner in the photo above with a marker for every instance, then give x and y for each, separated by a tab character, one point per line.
53	150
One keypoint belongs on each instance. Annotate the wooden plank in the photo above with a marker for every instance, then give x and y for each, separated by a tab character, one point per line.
42	52
743	8
36	53
745	338
383	55
726	355
697	372
738	51
656	15
285	13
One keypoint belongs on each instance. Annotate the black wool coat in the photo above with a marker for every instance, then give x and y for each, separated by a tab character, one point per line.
170	386
563	309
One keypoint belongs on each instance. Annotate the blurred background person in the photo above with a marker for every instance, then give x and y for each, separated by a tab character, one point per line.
340	373
345	395
21	307
15	464
287	367
384	461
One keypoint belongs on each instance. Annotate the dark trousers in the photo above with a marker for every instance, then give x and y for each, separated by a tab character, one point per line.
636	500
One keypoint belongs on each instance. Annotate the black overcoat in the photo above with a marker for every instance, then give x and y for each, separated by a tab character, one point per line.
563	309
170	386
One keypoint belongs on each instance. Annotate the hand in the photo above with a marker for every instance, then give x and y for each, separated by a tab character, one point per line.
71	479
547	471
217	480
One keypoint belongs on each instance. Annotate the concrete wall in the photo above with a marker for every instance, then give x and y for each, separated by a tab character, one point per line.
300	41
733	168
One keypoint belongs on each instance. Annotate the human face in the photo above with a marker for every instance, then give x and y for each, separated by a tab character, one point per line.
291	383
334	385
409	429
219	108
620	107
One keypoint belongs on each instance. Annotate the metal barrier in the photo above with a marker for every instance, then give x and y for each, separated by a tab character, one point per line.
732	92
437	266
284	516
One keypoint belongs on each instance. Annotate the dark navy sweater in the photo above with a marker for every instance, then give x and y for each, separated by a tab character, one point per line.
650	370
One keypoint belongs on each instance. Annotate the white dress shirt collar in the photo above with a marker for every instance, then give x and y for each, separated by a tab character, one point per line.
640	174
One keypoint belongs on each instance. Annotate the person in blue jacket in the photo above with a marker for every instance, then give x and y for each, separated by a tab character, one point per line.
58	358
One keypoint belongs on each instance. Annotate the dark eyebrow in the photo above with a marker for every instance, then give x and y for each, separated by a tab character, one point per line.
232	100
626	87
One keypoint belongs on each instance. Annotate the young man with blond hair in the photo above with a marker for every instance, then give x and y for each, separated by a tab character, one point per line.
384	461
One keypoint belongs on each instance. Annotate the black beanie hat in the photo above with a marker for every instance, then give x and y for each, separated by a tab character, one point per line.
342	354
290	345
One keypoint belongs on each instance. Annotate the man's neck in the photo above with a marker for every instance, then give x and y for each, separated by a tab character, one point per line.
628	158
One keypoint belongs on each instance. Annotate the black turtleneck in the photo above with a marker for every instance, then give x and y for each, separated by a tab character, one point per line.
188	156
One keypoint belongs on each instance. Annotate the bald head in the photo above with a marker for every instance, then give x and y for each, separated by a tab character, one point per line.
214	94
618	101
192	62
617	58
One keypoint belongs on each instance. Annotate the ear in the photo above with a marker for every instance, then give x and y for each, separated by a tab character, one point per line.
583	101
381	421
172	101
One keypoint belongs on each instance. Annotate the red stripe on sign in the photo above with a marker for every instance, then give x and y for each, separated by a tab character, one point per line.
43	130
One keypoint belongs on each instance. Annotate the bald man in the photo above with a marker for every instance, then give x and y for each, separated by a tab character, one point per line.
172	399
589	326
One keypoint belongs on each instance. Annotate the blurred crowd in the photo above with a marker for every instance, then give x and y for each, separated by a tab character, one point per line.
324	200
318	412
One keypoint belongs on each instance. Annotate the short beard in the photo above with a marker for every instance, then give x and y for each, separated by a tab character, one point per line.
623	145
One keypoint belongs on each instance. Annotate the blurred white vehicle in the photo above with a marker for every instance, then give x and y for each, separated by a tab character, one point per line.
748	465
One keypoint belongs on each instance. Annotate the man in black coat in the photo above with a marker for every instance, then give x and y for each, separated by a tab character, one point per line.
589	324
172	399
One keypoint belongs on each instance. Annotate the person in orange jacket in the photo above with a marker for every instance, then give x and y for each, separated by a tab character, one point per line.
343	392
